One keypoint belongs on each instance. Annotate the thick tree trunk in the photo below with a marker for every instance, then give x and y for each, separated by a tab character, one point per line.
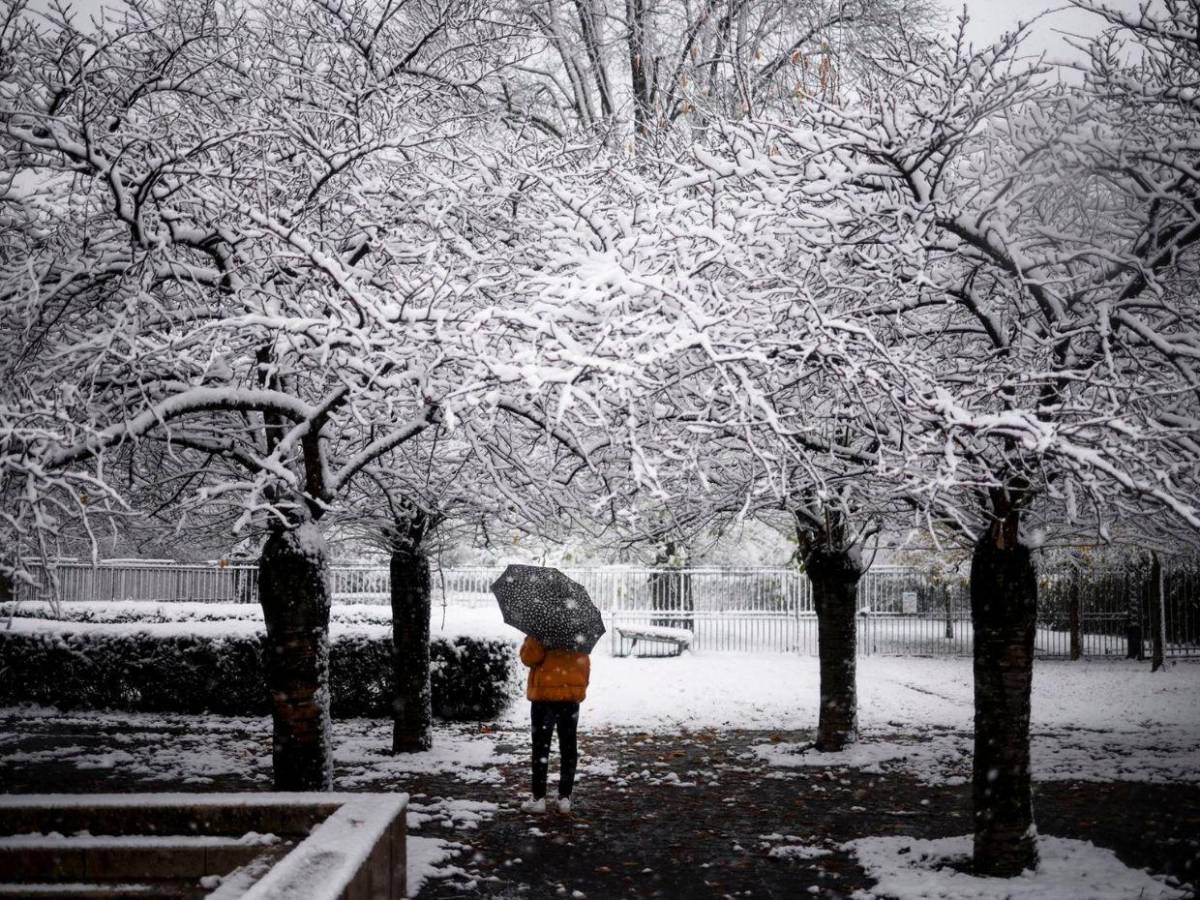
293	588
948	602
1075	613
1004	610
662	595
671	589
687	602
412	710
1157	619
671	592
590	27
1134	646
639	67
834	576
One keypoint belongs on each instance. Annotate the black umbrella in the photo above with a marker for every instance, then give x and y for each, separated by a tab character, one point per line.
547	605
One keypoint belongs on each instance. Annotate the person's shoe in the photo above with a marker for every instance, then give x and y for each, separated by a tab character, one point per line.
564	805
534	805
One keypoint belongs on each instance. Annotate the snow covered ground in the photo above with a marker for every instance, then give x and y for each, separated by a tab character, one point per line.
1097	720
909	869
1100	721
1092	719
759	690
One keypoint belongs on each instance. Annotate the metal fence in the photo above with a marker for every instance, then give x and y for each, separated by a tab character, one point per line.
761	608
148	580
902	611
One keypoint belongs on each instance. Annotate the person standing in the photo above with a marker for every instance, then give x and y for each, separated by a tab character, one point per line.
558	682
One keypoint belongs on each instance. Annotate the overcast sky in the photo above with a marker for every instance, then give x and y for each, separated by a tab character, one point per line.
989	18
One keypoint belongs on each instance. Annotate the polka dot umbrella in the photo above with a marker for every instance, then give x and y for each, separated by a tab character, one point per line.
547	605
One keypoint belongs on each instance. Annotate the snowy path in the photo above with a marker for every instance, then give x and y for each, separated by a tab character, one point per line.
714	745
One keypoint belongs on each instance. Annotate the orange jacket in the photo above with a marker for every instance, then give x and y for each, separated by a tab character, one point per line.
560	675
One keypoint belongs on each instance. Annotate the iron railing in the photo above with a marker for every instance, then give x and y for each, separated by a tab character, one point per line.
148	580
752	608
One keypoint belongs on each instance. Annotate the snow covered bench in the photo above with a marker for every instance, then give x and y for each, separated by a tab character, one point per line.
674	640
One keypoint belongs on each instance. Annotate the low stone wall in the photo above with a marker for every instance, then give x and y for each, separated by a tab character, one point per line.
225	846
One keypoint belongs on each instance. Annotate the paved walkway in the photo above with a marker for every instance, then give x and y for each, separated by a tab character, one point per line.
682	815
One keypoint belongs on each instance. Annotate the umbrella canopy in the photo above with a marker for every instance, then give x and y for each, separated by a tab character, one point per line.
547	605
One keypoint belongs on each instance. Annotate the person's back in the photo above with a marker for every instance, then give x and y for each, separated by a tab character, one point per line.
557	684
559	676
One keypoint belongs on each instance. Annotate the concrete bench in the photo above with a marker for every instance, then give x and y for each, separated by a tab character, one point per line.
675	640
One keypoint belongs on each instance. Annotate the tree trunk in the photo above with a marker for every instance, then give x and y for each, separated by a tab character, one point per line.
1133	620
412	709
590	26
1004	613
293	589
1075	612
946	599
639	68
834	576
1157	619
664	593
671	592
687	602
671	589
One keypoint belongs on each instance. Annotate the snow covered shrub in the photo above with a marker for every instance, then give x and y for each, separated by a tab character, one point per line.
223	673
89	669
472	679
360	676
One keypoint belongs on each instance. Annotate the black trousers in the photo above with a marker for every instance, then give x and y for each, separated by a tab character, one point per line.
547	715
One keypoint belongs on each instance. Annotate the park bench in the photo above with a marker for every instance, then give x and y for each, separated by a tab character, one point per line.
674	640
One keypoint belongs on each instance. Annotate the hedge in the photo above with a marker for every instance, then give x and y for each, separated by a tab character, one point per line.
472	679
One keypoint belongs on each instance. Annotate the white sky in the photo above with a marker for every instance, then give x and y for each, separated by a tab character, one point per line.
989	18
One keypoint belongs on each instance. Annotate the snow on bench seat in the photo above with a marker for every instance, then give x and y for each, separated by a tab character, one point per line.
678	639
657	633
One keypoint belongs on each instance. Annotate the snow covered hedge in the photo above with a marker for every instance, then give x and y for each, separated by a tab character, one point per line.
80	667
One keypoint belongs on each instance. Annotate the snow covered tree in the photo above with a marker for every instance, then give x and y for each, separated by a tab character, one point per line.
1011	254
982	207
242	238
750	413
507	468
644	70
